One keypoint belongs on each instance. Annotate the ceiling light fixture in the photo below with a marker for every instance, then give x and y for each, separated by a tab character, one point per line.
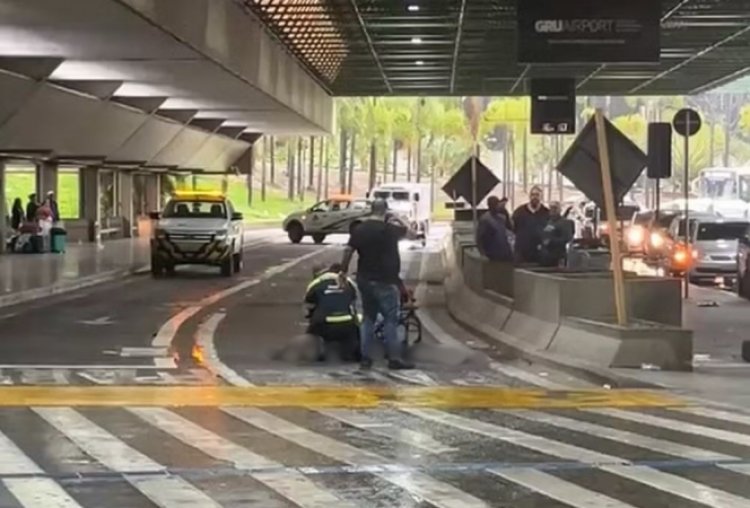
420	62
413	8
416	40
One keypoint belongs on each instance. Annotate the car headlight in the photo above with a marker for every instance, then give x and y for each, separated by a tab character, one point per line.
220	234
657	240
635	236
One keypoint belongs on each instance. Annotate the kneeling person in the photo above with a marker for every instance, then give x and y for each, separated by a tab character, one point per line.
332	312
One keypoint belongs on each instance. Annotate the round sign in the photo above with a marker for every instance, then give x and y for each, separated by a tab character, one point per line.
687	122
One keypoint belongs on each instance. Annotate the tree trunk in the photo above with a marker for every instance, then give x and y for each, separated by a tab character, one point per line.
311	175
418	169
727	137
342	161
301	168
352	157
711	143
250	173
272	153
525	162
373	165
263	168
290	169
385	165
224	184
327	165
409	157
395	160
319	184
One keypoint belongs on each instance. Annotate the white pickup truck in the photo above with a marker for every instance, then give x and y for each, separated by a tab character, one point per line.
409	200
197	229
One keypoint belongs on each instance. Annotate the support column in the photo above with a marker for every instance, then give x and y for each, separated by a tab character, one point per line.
125	185
89	196
46	179
153	193
4	212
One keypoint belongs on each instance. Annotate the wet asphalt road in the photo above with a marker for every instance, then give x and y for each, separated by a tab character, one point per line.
311	457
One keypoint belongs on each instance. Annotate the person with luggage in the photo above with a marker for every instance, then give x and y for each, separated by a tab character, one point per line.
332	313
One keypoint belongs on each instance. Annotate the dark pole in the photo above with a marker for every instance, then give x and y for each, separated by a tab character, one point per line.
686	195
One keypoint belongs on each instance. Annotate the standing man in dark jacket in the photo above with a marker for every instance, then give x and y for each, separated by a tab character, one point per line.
529	220
31	207
492	232
378	277
556	236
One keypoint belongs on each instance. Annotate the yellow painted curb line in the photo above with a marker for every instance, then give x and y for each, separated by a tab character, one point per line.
328	397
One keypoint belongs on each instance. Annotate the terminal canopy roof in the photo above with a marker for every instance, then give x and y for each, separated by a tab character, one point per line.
468	47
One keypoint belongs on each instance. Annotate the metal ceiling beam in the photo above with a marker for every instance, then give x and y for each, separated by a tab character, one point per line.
459	32
701	53
370	44
721	81
520	79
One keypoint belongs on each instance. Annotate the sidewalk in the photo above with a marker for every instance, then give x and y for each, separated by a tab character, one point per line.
25	277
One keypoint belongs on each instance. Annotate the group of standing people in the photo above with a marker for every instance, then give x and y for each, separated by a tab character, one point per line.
533	234
35	211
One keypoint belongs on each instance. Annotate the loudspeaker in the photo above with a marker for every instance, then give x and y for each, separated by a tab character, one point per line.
659	150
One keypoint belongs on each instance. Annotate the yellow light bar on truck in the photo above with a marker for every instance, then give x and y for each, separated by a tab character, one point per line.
202	195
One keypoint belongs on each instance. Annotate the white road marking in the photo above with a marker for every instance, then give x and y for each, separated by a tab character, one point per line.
205	339
558	489
30	492
622	436
365	421
666	482
164	491
675	425
100	321
716	414
168	331
39	493
528	377
291	484
435	492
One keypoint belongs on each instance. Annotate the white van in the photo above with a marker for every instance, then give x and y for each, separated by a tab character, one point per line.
411	201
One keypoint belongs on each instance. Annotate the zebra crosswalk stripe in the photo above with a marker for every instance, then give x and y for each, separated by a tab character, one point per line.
716	414
557	489
369	423
31	492
665	423
666	482
291	484
631	438
437	493
165	491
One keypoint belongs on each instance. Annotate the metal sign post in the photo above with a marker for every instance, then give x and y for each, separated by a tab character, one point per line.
611	211
687	122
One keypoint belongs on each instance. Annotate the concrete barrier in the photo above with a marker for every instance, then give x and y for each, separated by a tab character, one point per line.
569	316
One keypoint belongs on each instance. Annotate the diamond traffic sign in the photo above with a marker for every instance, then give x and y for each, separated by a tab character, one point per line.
460	183
580	164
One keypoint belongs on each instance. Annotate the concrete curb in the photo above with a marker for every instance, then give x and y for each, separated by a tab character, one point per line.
575	367
475	312
67	287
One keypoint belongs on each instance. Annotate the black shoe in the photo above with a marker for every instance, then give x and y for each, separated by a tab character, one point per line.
400	365
365	364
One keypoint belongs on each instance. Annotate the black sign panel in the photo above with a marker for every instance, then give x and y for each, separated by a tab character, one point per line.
588	31
687	122
459	186
553	106
580	164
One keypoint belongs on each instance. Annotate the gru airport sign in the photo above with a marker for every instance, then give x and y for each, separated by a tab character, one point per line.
588	31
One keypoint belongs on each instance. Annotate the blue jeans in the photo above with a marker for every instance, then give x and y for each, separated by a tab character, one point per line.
384	299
